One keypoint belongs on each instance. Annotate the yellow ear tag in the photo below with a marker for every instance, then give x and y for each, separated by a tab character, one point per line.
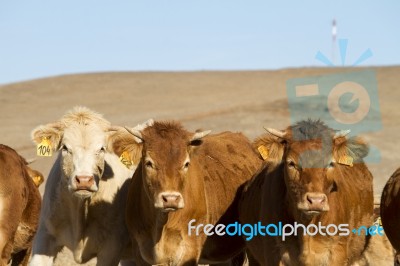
263	151
125	158
44	148
346	160
37	180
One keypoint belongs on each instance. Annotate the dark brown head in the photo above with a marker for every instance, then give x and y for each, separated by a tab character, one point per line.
313	157
165	157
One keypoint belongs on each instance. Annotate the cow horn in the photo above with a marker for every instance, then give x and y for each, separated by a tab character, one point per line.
114	128
144	125
29	161
341	133
275	132
135	133
199	135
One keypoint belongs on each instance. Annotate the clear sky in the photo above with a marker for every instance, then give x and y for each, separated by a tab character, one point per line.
46	38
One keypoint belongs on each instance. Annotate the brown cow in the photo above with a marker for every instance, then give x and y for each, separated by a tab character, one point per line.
390	214
19	208
312	177
184	178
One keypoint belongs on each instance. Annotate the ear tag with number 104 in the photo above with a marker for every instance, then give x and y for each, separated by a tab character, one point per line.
44	148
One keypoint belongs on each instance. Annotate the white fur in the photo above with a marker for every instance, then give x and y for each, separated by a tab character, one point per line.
88	226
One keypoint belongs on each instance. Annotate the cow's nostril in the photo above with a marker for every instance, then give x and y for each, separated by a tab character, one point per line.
312	200
170	198
84	182
165	199
309	200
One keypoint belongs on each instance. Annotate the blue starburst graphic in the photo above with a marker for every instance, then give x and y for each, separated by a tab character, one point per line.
344	101
343	52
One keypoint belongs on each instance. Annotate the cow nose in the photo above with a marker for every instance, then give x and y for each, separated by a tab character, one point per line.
84	182
168	199
172	200
316	201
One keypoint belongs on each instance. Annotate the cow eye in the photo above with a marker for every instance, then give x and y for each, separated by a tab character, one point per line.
65	149
101	151
148	164
186	165
291	164
331	165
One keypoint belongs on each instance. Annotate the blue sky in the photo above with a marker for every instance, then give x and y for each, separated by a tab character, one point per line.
46	38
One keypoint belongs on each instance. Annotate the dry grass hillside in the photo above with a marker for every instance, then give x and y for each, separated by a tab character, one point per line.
237	101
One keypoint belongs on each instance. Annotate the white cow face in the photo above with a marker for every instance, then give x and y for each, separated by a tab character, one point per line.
81	138
82	158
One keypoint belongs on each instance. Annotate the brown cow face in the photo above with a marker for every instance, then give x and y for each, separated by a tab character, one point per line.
166	152
165	172
310	153
309	176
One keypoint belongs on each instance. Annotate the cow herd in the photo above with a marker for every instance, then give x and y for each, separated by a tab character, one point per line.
157	194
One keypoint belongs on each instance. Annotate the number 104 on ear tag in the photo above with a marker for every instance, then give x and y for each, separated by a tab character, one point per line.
44	148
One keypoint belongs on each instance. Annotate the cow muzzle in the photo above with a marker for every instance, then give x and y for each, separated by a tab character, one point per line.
169	201
314	203
85	183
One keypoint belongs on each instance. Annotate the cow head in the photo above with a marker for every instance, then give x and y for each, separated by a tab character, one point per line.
165	149
81	137
314	159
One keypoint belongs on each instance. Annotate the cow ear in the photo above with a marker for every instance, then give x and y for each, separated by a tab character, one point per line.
53	132
355	147
120	140
197	138
270	147
36	176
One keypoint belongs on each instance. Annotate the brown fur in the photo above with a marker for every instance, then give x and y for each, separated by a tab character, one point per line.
219	165
277	192
20	206
390	204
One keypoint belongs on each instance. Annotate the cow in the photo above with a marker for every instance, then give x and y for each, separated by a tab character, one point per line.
314	178
390	205
84	193
20	203
184	179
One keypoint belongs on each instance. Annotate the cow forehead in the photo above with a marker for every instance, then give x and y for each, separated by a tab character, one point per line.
311	154
87	137
172	151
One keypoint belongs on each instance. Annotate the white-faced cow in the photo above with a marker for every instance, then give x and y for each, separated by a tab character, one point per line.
20	202
184	179
314	177
85	193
